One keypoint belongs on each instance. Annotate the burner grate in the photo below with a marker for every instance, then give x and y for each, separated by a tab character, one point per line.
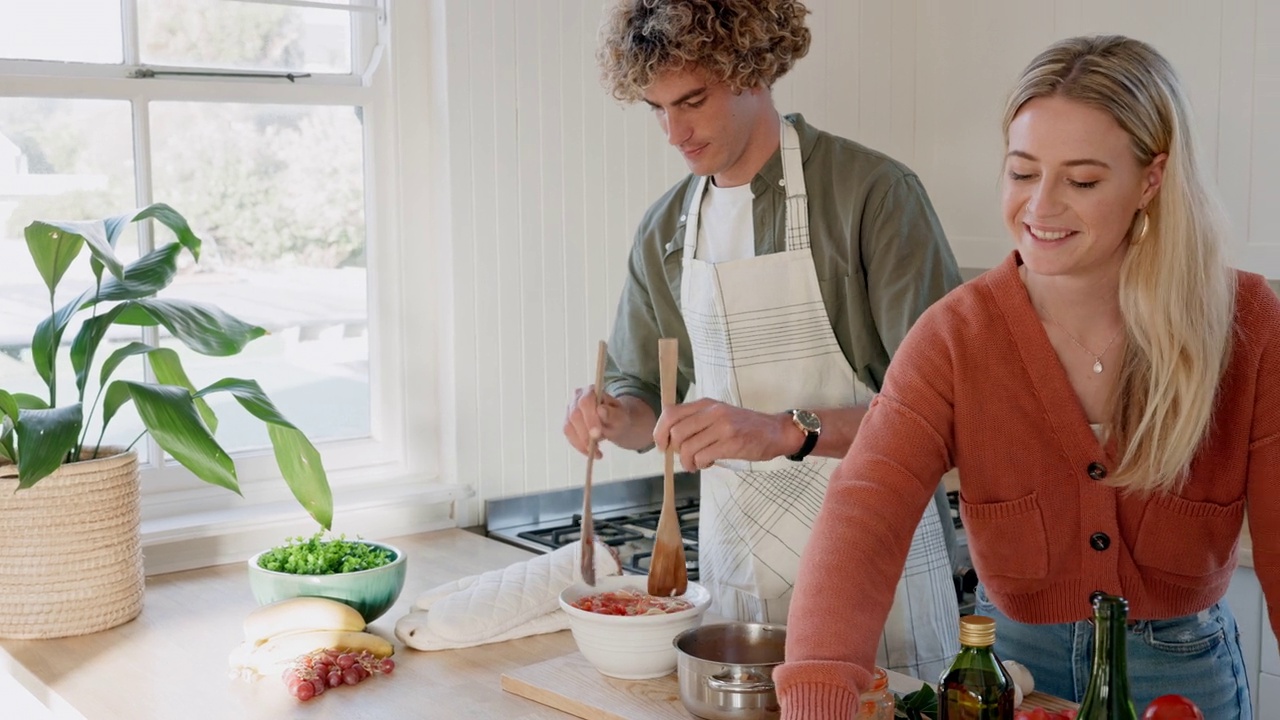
609	532
639	562
630	533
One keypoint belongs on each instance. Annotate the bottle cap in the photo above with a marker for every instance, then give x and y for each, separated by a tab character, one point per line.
977	631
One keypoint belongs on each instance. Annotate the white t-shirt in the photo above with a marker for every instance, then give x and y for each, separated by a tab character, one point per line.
726	230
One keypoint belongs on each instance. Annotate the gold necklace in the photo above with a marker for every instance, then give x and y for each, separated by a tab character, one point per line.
1097	357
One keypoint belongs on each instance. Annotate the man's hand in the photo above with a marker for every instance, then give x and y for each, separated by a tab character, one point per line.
624	421
704	431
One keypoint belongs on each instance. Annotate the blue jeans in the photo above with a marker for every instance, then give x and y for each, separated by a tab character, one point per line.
1197	656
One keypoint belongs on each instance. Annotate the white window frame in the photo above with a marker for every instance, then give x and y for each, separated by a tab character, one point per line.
383	484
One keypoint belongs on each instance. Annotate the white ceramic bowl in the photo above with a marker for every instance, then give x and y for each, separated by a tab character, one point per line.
630	647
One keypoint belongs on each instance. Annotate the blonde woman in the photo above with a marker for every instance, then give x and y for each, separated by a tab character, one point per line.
1110	395
789	264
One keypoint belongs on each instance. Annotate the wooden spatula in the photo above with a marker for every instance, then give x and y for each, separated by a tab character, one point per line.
588	540
667	573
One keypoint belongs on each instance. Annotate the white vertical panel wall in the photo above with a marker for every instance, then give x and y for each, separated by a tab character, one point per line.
547	176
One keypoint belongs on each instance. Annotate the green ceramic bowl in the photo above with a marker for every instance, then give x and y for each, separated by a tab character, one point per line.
370	592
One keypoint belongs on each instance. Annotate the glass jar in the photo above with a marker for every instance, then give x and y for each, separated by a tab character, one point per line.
877	702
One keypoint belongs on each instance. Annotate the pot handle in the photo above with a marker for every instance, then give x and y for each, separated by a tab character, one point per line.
725	683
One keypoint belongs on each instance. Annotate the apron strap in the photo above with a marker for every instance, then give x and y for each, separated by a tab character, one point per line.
691	220
797	213
793	182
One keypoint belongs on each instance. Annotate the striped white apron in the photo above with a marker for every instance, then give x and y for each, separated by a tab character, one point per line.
761	339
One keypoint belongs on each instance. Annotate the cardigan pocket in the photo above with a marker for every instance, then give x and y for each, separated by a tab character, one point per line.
1188	537
1008	538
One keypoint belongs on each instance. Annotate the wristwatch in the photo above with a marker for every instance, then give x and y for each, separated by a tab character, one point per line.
811	426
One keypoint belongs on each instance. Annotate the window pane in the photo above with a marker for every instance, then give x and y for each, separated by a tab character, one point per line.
67	30
277	194
244	36
61	160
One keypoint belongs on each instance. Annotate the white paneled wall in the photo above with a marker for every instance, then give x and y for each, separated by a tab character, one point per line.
544	177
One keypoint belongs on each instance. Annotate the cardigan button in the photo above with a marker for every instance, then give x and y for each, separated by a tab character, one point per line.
1099	541
1097	471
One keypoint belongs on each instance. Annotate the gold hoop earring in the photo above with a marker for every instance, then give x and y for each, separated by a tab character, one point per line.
1142	232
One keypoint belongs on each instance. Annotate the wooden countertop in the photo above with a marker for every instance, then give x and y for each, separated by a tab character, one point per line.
171	662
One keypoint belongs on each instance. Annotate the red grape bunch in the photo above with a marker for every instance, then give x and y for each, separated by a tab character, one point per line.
311	674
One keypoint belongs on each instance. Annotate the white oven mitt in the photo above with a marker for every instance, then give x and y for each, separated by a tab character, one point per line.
519	600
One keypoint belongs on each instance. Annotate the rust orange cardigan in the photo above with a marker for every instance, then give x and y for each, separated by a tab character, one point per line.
977	385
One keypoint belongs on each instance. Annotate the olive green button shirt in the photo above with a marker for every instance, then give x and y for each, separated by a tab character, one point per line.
878	249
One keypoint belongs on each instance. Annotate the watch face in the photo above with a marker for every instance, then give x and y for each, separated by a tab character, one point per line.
807	420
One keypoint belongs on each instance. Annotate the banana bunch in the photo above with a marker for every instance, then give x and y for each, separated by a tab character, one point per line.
276	634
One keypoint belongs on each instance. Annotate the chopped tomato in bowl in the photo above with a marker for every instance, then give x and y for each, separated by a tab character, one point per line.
630	602
626	633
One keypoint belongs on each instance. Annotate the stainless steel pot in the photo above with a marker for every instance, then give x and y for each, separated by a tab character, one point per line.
726	670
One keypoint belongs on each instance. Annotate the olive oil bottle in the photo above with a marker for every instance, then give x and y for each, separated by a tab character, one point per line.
1107	697
976	687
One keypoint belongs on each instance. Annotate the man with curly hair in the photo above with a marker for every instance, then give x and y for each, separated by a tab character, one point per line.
789	264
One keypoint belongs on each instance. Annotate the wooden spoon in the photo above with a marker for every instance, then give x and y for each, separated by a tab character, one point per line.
667	573
587	539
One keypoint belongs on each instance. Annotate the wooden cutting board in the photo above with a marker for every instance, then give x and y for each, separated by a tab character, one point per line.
570	684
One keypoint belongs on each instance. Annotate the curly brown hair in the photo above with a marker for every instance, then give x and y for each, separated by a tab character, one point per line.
742	43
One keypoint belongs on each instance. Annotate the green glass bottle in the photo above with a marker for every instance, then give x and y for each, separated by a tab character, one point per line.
1107	697
976	687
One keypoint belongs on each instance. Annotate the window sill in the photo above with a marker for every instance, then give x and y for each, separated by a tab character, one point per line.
203	539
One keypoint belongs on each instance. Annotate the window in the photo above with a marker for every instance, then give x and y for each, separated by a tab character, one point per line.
253	119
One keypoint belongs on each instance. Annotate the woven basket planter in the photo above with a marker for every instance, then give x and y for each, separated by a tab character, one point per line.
71	549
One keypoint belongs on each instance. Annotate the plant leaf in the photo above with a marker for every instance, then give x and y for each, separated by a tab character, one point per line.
114	359
919	705
297	458
8	405
47	338
166	216
168	370
30	402
53	249
169	414
303	470
44	439
90	232
8	414
203	328
116	396
144	277
85	345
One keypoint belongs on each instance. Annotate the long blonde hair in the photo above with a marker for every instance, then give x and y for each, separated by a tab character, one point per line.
1177	294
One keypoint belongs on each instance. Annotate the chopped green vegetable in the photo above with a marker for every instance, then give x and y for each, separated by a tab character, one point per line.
919	705
316	556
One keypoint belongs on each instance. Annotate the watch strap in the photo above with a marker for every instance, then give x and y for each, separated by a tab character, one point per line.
810	442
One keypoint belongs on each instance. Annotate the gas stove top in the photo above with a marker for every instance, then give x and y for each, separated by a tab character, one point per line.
624	514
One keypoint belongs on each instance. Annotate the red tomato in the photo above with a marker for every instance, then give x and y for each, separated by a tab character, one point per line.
1172	707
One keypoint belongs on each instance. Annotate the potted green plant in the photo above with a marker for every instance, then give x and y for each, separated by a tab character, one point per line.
44	440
